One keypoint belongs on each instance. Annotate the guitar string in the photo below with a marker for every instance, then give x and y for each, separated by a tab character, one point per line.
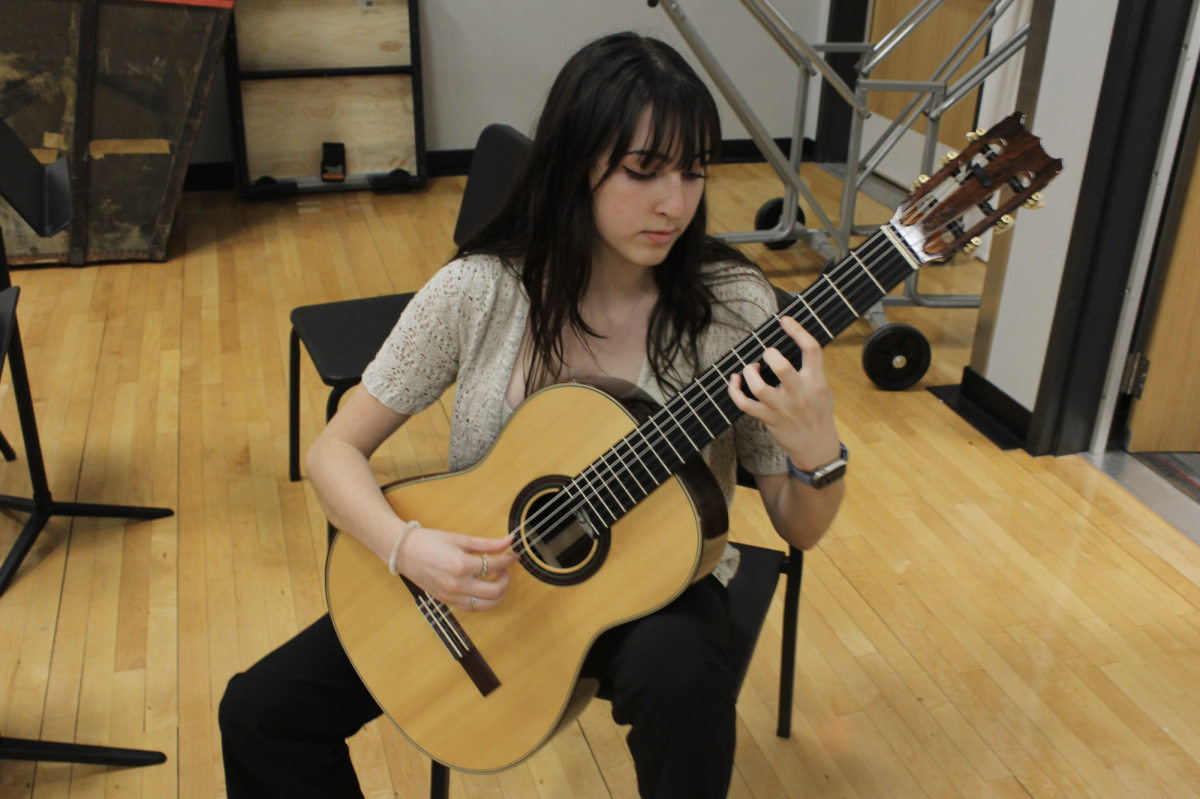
871	254
944	190
873	246
823	297
719	366
831	297
925	207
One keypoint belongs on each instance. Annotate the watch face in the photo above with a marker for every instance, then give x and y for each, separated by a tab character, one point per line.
835	473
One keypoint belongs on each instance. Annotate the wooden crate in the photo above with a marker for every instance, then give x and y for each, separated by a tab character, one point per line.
306	72
119	87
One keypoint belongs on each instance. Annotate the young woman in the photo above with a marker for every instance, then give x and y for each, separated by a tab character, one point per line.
598	265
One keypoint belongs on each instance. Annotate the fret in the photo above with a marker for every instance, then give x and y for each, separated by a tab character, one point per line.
667	408
617	452
699	418
583	496
617	477
599	496
868	271
700	383
829	280
650	447
658	430
814	316
631	446
759	340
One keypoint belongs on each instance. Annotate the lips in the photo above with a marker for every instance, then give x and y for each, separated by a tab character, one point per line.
660	236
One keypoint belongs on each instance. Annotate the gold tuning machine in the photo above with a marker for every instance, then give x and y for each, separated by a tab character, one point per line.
919	182
1034	202
976	134
1003	224
948	157
972	244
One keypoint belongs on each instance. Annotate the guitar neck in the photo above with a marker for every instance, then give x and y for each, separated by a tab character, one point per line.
703	410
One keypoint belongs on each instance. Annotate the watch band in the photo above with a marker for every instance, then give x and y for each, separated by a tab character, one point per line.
822	475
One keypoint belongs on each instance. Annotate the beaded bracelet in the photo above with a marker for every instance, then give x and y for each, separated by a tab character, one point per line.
408	528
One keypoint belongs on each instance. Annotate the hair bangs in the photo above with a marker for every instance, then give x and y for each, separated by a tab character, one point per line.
681	134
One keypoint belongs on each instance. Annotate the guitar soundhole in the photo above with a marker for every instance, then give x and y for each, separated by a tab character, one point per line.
559	540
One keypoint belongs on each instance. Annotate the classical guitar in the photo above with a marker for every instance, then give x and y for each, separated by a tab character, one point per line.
613	512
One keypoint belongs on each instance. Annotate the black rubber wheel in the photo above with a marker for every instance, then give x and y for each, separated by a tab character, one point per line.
896	356
768	217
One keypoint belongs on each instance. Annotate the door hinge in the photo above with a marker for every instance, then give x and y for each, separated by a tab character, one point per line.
1133	380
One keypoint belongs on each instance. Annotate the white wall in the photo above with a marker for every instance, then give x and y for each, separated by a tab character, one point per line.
1076	55
491	62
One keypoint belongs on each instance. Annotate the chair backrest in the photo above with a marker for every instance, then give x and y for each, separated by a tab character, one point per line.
500	154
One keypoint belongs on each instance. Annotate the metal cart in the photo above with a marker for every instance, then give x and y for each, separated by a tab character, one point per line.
895	356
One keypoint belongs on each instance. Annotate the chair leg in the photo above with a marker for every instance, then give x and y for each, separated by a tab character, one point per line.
331	404
294	408
791	617
6	449
439	782
331	407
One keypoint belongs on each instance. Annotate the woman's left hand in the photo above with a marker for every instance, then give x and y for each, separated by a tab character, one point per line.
799	411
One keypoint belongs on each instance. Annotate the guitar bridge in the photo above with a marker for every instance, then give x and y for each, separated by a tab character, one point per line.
443	623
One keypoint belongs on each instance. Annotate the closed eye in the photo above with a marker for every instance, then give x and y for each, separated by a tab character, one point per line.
633	173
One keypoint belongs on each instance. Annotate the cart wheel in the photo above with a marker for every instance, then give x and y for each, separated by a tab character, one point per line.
768	217
896	356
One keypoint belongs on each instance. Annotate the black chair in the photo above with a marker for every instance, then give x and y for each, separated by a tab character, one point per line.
343	337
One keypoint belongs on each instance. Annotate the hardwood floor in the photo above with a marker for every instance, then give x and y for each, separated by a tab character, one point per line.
977	623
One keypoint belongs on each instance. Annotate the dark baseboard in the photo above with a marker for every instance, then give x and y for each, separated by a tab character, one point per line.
209	177
446	163
999	417
745	151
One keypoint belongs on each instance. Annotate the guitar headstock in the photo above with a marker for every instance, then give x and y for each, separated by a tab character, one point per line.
949	210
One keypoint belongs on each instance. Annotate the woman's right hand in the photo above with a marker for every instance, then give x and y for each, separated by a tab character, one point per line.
448	566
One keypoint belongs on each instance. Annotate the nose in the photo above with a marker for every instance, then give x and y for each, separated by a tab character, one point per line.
671	201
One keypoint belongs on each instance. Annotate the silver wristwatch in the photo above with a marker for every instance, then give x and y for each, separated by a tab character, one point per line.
822	475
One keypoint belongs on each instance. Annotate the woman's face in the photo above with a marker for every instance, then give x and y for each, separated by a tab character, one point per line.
645	205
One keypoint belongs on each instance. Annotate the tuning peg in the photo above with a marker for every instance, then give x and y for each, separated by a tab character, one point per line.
976	134
1034	202
972	244
1003	224
948	157
920	181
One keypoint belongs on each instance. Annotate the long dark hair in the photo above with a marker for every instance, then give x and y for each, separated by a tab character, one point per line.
546	231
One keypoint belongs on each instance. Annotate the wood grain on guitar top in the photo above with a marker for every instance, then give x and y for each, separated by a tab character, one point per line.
536	640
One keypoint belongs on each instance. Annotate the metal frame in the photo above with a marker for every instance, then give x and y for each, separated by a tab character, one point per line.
933	98
383	180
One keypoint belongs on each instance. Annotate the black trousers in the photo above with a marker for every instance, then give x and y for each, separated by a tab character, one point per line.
284	723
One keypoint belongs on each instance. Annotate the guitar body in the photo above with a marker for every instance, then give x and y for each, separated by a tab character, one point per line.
536	640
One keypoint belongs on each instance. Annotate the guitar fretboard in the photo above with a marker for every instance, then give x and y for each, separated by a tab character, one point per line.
609	488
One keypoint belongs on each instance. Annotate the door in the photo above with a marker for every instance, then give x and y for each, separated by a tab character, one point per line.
1167	416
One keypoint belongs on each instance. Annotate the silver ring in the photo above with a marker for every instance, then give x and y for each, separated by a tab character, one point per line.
484	570
471	605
